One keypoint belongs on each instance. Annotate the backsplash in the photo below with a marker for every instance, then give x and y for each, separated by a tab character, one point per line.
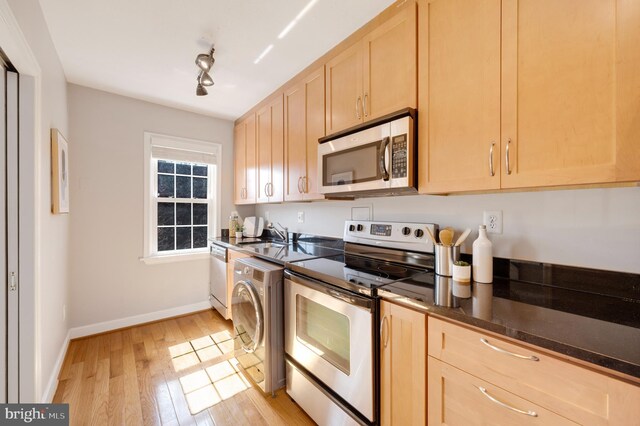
589	228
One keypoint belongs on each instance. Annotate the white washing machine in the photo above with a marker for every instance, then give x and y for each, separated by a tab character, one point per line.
257	312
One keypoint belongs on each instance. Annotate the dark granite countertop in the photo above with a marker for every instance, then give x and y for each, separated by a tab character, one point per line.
598	322
587	314
304	247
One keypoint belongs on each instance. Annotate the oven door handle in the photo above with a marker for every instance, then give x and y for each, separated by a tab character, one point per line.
384	159
312	283
341	296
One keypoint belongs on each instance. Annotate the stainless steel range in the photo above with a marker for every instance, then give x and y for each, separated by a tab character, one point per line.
331	317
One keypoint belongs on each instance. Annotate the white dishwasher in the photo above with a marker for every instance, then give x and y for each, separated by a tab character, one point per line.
218	279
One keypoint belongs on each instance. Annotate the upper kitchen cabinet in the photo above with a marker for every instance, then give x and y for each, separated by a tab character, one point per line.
303	126
520	94
376	75
245	161
459	95
570	92
270	151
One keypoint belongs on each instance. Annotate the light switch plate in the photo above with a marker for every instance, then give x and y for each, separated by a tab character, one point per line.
300	217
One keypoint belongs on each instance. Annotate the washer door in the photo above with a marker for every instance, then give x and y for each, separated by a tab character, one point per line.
246	312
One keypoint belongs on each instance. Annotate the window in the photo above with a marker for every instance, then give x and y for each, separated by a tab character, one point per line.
181	191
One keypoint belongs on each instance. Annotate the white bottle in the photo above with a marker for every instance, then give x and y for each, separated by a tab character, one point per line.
482	257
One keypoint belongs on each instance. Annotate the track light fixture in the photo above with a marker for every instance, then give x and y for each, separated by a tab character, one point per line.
204	61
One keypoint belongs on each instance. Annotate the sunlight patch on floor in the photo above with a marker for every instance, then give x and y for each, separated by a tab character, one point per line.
206	388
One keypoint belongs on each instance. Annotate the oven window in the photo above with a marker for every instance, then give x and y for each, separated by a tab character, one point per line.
354	165
324	331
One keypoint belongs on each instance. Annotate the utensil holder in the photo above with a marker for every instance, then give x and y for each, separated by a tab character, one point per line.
445	256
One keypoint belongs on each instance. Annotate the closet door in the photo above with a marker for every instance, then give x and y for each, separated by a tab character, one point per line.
9	234
3	237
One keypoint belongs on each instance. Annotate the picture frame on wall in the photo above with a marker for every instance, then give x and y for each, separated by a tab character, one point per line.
59	173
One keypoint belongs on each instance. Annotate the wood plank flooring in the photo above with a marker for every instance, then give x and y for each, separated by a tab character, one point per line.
180	371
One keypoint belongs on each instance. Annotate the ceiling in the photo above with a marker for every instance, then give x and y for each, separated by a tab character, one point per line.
146	49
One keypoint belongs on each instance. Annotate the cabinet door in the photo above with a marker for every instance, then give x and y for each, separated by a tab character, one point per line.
270	145
294	141
344	90
403	362
458	398
250	160
245	161
315	122
239	182
570	92
263	142
459	95
390	71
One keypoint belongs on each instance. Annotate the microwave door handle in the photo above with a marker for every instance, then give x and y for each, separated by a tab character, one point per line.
384	159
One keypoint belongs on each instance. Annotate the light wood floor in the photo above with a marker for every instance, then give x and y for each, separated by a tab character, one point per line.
179	371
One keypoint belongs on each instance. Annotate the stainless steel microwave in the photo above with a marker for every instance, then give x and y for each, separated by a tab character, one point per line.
374	159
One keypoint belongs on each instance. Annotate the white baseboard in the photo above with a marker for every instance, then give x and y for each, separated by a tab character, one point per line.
101	327
52	385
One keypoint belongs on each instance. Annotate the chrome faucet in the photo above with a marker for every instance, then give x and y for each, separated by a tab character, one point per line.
284	234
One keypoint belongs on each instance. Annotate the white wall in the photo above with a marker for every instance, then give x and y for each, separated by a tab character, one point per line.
52	241
594	228
108	281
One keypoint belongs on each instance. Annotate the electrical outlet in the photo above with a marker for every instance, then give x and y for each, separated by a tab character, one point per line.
493	221
64	312
266	216
300	217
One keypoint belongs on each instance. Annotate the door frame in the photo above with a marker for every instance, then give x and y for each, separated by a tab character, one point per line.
15	46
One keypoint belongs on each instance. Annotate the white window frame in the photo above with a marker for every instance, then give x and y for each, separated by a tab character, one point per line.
214	193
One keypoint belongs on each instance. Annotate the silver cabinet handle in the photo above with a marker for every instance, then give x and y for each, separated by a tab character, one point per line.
491	171
382	323
364	104
507	157
270	189
266	190
304	184
357	107
502	404
299	188
502	351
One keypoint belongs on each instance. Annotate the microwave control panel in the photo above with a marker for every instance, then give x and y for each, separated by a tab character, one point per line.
399	156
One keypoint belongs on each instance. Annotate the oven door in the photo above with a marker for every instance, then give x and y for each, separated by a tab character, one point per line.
329	332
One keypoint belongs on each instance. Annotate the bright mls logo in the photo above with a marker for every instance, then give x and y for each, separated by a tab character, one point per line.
37	414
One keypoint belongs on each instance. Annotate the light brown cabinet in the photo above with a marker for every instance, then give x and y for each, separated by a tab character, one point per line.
403	362
500	376
270	151
244	146
376	75
303	126
527	94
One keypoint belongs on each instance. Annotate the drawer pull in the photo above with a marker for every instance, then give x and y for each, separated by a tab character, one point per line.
502	351
502	404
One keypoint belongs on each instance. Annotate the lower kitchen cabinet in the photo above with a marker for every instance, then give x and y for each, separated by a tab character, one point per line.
476	377
403	363
458	398
232	256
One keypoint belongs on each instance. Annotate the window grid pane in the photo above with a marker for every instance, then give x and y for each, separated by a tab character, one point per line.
182	223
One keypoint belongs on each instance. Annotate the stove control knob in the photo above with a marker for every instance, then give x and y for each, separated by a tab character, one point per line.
352	228
360	228
406	230
419	233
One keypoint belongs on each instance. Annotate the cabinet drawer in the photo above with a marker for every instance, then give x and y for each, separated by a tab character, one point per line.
458	398
572	391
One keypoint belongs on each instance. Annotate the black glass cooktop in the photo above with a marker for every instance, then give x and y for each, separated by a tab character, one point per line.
359	274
